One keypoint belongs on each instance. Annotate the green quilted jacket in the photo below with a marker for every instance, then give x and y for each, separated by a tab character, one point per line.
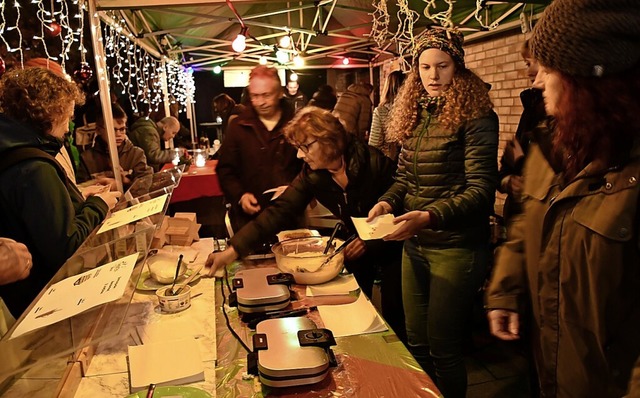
451	174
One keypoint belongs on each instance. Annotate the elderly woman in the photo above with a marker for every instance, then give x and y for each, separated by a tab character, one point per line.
447	177
344	175
575	251
39	206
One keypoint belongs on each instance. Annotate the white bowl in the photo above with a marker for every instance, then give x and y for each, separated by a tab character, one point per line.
162	267
175	303
304	258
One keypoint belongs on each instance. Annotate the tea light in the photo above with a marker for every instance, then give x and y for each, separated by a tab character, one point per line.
176	157
200	159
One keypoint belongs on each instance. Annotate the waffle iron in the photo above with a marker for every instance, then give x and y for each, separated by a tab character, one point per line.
291	352
262	289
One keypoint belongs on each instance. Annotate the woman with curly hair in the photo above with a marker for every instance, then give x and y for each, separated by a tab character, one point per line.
39	206
574	253
377	138
447	177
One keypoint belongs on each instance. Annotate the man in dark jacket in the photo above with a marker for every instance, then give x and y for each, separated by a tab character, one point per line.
255	156
133	163
354	110
296	98
150	137
347	177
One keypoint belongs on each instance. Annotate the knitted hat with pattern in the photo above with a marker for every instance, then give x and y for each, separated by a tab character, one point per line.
588	37
447	40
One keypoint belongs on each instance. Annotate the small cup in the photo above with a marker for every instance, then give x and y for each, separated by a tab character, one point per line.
176	303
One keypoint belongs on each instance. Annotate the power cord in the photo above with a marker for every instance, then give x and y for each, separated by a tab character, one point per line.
224	312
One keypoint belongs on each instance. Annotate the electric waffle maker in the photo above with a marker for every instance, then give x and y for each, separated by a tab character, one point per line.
262	289
291	352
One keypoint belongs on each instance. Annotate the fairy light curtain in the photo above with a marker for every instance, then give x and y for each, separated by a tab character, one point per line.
137	74
439	12
53	27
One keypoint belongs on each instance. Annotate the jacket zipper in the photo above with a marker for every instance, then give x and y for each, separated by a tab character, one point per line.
415	159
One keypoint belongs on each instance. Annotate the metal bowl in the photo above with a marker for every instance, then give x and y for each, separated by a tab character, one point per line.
304	259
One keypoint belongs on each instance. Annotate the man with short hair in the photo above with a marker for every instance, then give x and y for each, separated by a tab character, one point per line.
133	163
294	96
255	156
151	137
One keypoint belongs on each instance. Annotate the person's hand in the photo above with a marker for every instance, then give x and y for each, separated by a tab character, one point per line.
249	204
504	324
414	222
110	198
379	209
354	249
515	184
108	181
92	190
218	260
15	261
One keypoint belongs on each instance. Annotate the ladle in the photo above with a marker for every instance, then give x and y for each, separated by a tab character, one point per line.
338	226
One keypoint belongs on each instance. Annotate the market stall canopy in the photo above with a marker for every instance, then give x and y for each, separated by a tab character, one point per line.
200	33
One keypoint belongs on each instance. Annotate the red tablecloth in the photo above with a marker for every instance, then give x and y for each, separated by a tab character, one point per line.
197	182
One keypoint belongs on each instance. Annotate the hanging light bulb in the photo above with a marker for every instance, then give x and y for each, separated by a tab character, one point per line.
263	60
217	69
285	41
282	56
345	61
293	77
240	42
298	61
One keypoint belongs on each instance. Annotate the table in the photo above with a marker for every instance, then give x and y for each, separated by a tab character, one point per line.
196	182
369	366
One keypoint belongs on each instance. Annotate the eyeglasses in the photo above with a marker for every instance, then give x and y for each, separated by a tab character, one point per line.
305	147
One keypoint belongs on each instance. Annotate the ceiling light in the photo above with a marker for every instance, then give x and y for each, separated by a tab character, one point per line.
282	56
240	42
217	69
298	61
285	41
263	60
345	61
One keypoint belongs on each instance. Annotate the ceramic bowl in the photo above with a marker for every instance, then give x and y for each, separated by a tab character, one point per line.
176	303
304	258
162	267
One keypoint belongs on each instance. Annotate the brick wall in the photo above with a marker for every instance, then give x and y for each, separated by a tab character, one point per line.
497	61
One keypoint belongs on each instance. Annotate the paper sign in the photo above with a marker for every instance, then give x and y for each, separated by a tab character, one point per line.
377	228
134	213
78	293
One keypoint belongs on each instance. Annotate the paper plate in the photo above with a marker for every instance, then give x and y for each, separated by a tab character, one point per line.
185	392
147	283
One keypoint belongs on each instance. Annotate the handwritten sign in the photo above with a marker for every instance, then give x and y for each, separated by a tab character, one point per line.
78	293
134	213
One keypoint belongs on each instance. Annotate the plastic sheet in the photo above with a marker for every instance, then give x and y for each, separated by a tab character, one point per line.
371	365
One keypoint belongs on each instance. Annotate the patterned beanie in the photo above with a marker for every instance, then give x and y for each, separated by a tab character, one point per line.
447	40
588	37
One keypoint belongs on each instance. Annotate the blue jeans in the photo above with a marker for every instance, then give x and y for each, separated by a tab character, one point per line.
438	287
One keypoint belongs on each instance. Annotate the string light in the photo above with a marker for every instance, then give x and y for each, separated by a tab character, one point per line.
217	69
240	42
282	56
293	77
345	61
298	61
285	41
263	60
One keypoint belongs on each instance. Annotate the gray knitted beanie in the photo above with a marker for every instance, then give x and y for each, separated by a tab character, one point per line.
588	37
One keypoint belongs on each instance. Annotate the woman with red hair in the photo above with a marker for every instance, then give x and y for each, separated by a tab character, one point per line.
576	249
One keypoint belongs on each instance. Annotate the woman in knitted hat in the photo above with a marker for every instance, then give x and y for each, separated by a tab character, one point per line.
447	177
578	256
